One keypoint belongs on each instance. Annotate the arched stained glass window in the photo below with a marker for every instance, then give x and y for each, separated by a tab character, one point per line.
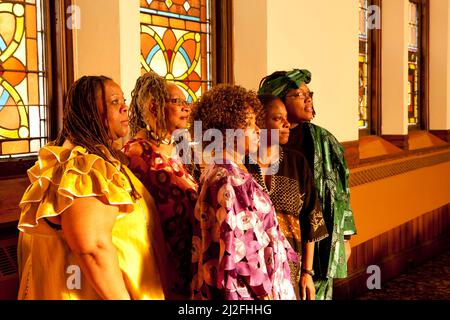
175	42
23	89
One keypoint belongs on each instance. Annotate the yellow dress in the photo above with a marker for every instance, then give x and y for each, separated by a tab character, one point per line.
48	268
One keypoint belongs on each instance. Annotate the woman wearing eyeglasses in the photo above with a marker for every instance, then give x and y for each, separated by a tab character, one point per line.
286	177
157	109
326	156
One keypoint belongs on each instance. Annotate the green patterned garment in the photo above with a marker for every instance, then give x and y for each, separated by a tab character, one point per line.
331	176
326	155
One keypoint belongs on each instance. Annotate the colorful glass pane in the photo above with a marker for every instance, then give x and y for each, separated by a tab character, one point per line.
413	65
23	107
175	43
363	66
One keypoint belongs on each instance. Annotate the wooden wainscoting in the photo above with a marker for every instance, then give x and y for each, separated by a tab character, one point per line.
396	251
9	277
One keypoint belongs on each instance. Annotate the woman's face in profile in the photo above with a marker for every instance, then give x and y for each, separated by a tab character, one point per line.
116	110
277	118
299	104
177	109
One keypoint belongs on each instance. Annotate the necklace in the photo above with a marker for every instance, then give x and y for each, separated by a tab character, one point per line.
151	135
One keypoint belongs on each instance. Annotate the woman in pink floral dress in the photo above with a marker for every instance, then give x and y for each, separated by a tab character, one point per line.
239	251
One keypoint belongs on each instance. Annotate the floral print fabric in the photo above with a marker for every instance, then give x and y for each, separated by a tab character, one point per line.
239	251
175	194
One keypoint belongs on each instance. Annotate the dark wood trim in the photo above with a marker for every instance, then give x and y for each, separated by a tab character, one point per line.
424	76
442	134
16	167
11	191
61	53
8	230
374	76
398	140
351	153
396	251
9	283
222	41
425	66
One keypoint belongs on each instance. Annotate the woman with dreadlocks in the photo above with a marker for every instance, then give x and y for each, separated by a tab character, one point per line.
157	109
86	219
325	156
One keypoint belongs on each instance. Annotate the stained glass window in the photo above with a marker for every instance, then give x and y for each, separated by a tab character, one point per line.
175	42
23	91
363	65
413	65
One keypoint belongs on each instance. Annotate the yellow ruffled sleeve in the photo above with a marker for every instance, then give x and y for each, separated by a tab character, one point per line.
60	175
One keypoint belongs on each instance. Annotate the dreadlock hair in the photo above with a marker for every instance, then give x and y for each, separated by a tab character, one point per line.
84	125
149	87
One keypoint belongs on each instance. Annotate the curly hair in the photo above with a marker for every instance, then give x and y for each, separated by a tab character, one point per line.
224	107
148	86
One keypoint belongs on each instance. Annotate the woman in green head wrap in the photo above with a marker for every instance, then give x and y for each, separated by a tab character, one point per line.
326	155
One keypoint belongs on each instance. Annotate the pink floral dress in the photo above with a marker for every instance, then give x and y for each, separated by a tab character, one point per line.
239	251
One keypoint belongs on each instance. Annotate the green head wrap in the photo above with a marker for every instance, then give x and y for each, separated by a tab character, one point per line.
280	82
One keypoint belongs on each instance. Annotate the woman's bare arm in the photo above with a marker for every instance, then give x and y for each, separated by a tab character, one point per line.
87	227
307	289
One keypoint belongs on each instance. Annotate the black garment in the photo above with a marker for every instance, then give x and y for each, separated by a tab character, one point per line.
295	199
300	140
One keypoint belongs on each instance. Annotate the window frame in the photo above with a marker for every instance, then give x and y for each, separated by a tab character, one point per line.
374	76
222	41
424	66
59	65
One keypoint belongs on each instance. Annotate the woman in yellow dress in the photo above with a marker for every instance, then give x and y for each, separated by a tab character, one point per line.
87	224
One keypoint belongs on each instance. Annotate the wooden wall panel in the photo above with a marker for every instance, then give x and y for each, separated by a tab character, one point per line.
396	250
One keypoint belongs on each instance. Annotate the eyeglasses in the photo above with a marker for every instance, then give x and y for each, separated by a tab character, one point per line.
309	94
178	102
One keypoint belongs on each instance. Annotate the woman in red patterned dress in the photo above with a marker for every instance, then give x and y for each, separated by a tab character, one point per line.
157	109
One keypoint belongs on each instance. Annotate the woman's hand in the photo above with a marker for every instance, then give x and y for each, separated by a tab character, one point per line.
348	250
307	288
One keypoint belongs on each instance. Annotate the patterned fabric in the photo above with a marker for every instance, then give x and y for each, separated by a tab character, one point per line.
295	199
59	177
239	251
285	81
331	177
175	193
